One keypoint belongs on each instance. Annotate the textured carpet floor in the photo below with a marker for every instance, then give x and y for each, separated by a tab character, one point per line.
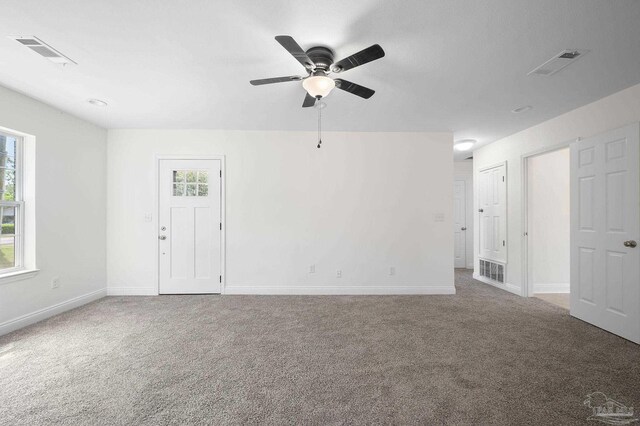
482	356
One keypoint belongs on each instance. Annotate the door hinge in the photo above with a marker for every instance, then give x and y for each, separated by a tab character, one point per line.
503	178
503	244
221	279
221	226
220	173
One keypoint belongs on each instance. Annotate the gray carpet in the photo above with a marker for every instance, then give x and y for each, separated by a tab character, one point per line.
480	357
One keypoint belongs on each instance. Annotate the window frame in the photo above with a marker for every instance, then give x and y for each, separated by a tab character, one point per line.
18	204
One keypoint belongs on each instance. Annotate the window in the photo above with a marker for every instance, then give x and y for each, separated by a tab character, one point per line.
11	203
190	183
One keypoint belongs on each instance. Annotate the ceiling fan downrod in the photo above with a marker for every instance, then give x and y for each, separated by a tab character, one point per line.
319	106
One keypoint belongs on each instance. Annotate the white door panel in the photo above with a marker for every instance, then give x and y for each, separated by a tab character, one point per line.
190	246
459	223
493	210
605	214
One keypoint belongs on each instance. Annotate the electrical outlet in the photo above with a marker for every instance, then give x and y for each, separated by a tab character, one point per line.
312	269
55	282
339	274
392	270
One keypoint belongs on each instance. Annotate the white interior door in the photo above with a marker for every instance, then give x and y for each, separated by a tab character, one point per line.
492	208
460	223
605	226
189	228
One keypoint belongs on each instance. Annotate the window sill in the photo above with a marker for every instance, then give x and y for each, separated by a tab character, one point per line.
18	275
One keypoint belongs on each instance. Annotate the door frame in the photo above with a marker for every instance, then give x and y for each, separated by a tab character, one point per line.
157	158
527	287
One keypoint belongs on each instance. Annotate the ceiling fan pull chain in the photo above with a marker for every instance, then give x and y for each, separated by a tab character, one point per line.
319	126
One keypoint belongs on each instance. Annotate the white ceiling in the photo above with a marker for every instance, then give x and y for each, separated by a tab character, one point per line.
451	65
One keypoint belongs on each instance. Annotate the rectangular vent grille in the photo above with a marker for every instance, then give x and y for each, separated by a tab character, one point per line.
492	270
558	62
43	49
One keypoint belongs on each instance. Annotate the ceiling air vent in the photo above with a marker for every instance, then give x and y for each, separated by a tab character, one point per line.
558	62
43	49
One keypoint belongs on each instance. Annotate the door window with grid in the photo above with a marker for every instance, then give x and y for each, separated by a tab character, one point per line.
11	203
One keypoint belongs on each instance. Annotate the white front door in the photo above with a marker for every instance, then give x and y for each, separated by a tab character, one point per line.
189	226
605	228
459	223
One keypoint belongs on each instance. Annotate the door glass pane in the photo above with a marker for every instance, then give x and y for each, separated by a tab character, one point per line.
191	189
203	177
178	189
178	176
191	176
203	190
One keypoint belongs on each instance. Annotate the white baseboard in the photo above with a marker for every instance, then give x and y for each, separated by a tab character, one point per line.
132	291
551	288
39	315
506	286
338	290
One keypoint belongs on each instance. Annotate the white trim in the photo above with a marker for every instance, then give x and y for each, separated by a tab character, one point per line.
132	291
527	288
157	158
339	290
511	288
551	288
20	275
42	314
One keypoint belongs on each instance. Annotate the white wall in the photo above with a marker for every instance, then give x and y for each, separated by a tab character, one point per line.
605	114
362	203
549	214
463	170
70	170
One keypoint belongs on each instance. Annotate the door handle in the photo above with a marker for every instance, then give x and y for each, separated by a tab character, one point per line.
464	228
480	210
162	237
630	243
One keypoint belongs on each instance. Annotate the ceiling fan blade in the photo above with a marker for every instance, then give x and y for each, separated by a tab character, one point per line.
294	48
275	80
309	101
369	54
356	89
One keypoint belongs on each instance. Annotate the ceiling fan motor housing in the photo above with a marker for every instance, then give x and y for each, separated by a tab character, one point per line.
321	56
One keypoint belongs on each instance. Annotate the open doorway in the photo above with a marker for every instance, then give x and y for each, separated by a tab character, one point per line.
548	216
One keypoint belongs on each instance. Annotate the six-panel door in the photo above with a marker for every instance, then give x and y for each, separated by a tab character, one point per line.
605	218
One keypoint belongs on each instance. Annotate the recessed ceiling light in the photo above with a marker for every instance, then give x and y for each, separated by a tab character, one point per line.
464	144
98	102
522	109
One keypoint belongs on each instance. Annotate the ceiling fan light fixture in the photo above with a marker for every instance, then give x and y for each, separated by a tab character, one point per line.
318	85
464	145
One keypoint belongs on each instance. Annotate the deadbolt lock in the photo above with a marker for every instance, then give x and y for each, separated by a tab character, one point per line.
162	237
630	243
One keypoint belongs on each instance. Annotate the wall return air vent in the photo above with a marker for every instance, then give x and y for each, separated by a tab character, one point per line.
558	62
492	270
43	49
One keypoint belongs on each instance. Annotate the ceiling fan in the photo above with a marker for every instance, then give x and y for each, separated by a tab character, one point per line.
319	64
